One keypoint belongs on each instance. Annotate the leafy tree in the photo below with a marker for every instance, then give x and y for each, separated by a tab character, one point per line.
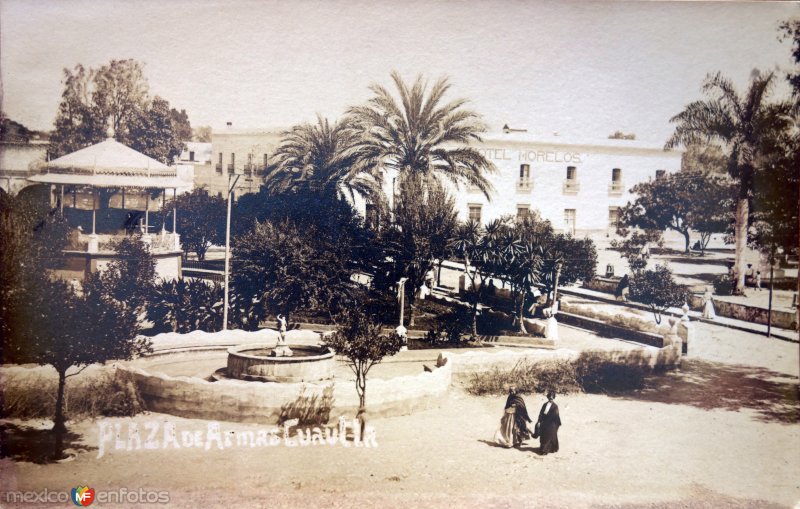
114	96
359	339
322	159
201	221
286	269
181	125
704	158
55	326
479	246
129	278
152	132
565	259
419	234
681	202
740	123
421	134
791	31
202	134
521	264
339	228
634	246
657	289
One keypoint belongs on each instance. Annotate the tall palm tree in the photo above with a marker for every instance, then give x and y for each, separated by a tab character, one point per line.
322	159
421	134
741	124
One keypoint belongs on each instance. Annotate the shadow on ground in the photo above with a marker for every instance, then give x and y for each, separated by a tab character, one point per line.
774	397
22	443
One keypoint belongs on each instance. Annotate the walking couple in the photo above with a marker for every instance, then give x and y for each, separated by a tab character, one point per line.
514	423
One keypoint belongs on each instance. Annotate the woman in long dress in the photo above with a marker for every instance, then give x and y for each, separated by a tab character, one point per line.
708	306
513	425
548	424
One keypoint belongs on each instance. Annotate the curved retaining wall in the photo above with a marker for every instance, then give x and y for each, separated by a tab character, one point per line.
235	400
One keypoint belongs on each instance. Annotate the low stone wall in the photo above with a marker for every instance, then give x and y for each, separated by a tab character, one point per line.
610	330
464	365
234	400
602	284
780	318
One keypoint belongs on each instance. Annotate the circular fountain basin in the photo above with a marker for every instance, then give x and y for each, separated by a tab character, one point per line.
253	362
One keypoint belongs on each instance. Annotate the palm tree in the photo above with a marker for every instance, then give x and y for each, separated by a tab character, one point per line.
422	135
322	159
741	124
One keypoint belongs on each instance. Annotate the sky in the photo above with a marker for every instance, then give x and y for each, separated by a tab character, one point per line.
579	68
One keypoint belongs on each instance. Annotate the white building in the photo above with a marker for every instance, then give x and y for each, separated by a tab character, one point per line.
578	185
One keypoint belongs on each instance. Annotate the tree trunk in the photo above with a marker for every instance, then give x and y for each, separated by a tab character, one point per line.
412	298
475	318
59	426
362	397
686	240
740	234
555	283
520	316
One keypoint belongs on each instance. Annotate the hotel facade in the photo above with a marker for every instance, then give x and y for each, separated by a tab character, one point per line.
578	185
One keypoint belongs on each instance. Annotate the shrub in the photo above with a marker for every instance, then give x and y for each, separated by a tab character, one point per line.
100	393
599	375
309	410
450	326
589	373
657	289
527	377
723	285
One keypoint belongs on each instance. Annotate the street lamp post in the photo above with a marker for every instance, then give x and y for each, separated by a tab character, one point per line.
228	249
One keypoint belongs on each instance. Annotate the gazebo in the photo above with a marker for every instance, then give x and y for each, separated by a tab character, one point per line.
126	180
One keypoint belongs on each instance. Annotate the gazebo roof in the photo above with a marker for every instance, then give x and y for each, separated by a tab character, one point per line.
109	164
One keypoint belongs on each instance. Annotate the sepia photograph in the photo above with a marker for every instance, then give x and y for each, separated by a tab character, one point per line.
399	253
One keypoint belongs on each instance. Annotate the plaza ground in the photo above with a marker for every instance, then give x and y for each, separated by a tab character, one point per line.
722	431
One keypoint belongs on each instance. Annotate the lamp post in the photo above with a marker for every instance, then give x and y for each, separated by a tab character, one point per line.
228	249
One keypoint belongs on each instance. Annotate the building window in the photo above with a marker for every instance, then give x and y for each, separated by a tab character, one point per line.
660	173
524	183
569	220
248	169
232	164
191	155
613	217
219	163
523	212
572	173
475	212
616	187
571	184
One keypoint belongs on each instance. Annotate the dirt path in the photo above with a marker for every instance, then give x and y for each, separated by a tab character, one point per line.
696	448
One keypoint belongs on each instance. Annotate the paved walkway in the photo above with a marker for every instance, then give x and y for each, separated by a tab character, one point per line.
732	323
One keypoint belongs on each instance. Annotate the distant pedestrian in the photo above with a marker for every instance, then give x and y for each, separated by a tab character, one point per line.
708	305
758	280
623	288
548	424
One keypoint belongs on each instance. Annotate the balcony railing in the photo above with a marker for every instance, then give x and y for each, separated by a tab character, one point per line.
219	168
231	168
524	186
249	169
616	188
571	186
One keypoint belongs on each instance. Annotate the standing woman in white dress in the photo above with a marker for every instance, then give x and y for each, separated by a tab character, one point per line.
708	305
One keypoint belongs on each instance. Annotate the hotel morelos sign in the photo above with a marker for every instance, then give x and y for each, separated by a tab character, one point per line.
530	156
